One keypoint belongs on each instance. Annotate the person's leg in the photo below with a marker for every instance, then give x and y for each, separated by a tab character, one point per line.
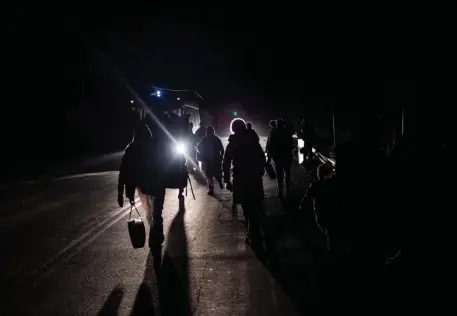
181	191
218	175
156	235
245	208
209	177
146	203
210	185
193	163
197	163
219	181
280	177
253	224
235	197
288	179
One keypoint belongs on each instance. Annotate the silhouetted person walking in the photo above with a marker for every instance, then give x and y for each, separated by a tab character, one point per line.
143	168
248	168
211	152
280	149
322	198
199	134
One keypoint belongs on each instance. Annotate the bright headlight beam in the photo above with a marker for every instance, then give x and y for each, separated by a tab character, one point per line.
181	148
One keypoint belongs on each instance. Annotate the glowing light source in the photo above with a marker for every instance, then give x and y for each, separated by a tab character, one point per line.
178	99
235	113
181	148
131	101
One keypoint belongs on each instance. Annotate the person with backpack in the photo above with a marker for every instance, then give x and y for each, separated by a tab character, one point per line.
211	152
150	165
248	168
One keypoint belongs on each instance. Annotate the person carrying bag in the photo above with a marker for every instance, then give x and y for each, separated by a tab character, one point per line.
136	228
142	170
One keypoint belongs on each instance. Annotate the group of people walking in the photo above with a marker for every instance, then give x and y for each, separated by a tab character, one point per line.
150	166
363	212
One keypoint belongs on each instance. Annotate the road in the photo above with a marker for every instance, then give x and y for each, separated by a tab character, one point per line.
66	251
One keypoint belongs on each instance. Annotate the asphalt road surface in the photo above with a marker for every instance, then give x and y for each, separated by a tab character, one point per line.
66	251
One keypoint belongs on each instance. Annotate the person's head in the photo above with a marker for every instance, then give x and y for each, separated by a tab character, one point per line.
324	172
280	123
249	126
238	126
142	133
272	124
210	131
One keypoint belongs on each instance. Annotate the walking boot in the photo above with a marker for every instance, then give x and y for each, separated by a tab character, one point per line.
156	236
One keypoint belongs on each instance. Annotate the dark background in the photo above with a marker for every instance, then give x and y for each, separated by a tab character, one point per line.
65	71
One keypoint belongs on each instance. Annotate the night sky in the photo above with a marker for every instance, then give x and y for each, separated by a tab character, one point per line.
56	63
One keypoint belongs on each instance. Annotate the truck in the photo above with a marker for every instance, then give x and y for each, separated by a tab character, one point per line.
166	105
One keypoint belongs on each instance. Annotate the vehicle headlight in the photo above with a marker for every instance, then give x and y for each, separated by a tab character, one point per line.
181	147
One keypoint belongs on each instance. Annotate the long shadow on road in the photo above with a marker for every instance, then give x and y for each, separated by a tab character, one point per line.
293	250
144	303
170	273
293	246
112	303
174	275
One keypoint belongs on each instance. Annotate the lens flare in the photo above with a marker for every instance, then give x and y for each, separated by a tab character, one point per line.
181	148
